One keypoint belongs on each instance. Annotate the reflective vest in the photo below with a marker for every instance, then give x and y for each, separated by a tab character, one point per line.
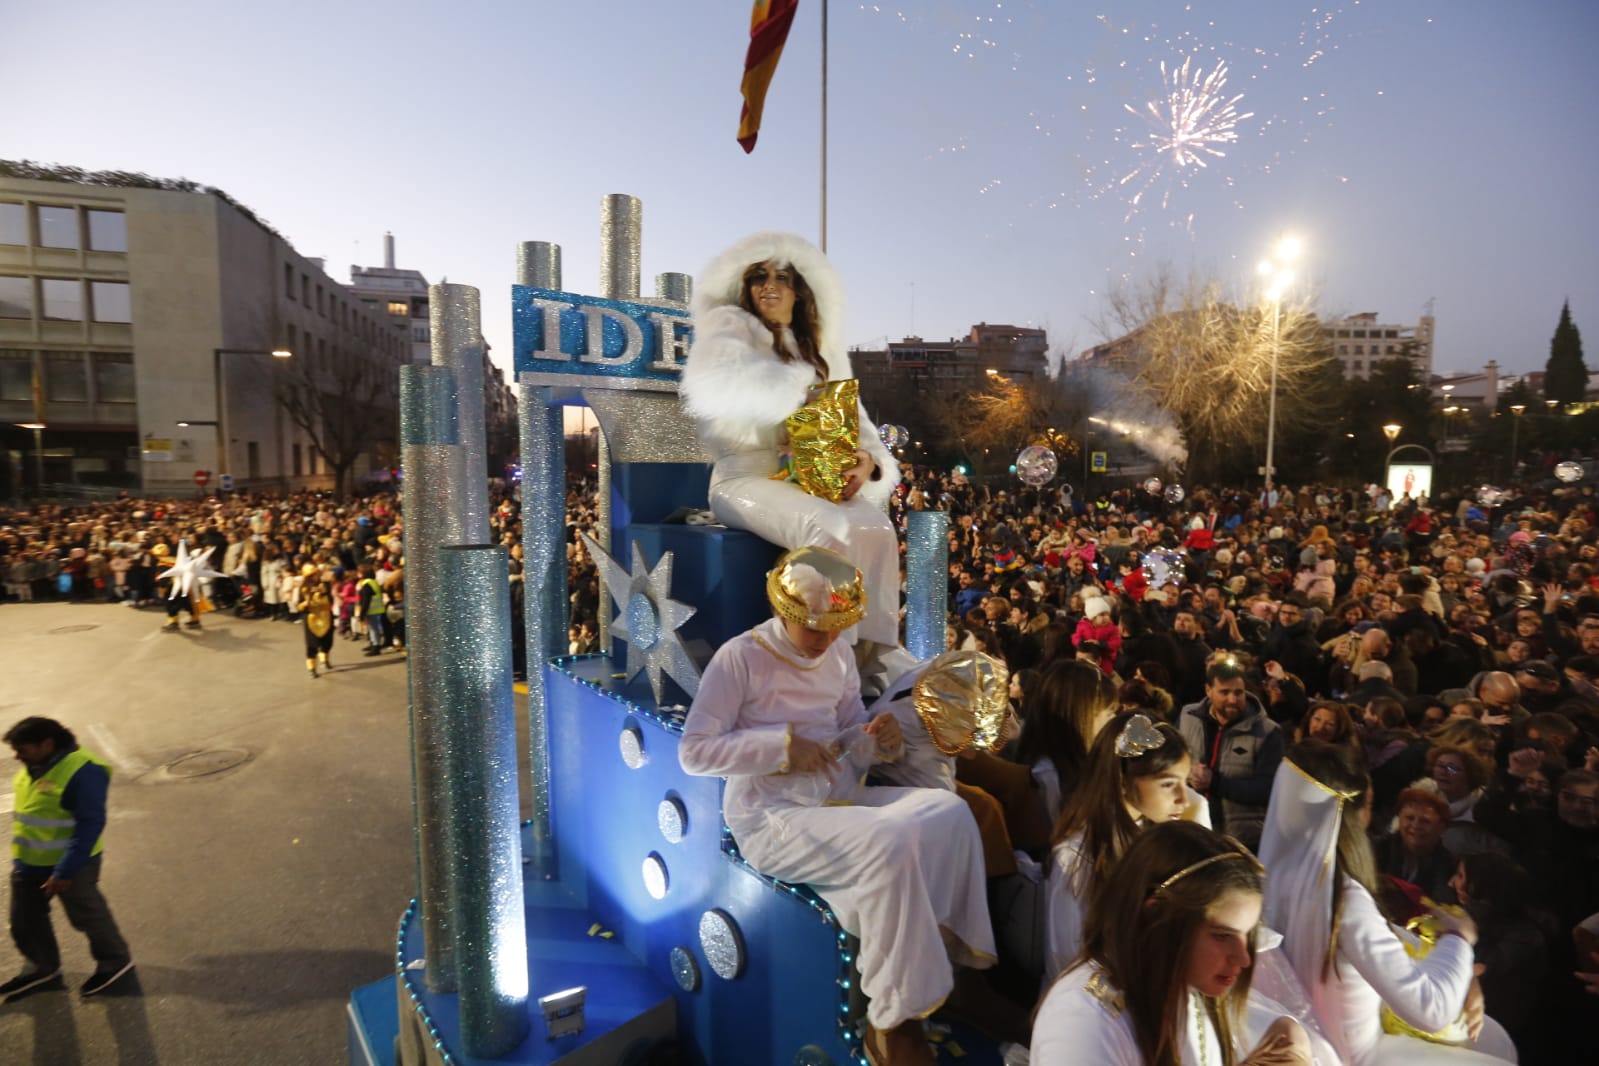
375	604
41	828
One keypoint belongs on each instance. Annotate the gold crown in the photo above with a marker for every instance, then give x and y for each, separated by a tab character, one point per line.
834	603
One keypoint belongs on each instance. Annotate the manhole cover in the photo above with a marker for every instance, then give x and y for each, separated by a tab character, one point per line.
203	763
75	629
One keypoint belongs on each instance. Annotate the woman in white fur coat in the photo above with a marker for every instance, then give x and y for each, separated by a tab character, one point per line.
768	326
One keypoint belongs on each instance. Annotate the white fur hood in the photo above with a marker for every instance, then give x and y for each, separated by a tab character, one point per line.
734	385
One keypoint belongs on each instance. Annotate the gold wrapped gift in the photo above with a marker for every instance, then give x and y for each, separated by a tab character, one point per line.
1425	927
963	698
822	438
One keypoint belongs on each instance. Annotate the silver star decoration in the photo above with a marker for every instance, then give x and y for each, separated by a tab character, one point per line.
187	570
648	618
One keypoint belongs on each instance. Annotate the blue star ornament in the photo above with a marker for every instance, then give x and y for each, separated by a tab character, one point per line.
187	570
648	618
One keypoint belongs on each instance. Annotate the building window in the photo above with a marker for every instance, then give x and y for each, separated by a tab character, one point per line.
298	461
111	301
311	456
400	307
58	226
66	378
13	224
1360	349
1359	365
253	450
321	308
63	299
16	374
16	297
305	291
113	377
288	281
108	231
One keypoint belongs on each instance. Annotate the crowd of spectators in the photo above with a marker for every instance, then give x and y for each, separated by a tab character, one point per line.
1453	646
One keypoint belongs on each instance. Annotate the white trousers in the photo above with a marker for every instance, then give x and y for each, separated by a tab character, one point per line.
903	870
742	497
1493	1047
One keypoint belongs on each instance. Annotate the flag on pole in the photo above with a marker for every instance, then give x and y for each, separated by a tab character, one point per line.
769	24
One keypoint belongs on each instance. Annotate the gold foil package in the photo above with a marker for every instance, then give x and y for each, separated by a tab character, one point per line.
822	438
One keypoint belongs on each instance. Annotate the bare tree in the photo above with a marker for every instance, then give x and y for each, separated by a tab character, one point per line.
1002	416
345	400
1208	361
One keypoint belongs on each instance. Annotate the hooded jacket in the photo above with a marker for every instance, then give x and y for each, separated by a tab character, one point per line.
736	388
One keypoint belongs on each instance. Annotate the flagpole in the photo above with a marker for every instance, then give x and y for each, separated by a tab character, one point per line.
823	241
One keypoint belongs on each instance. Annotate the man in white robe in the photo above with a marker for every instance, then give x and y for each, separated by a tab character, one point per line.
779	714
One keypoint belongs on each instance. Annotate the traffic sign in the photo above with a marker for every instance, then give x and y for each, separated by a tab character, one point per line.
225	482
201	477
1098	462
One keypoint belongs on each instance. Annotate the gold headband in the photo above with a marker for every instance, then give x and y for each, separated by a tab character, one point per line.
1238	853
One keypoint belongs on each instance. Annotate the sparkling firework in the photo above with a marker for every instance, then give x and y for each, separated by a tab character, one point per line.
1193	120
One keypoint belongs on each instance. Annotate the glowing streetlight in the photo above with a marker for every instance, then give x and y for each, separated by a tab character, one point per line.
1279	274
1392	431
1517	409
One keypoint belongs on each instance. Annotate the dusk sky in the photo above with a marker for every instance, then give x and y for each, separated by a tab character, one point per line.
1442	151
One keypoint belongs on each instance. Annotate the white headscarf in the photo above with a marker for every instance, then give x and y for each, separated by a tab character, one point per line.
1298	848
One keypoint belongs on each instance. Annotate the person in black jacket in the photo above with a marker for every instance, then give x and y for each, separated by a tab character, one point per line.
1292	644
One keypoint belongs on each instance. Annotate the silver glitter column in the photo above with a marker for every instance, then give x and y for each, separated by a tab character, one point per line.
433	465
621	241
675	287
926	582
481	824
456	320
544	592
538	265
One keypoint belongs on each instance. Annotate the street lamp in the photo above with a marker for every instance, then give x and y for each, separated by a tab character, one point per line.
221	394
1279	274
1516	409
38	455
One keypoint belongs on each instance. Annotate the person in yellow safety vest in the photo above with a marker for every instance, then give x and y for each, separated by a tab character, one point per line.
56	842
372	610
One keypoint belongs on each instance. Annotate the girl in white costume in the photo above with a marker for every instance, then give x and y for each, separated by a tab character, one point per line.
1136	777
768	326
1165	968
1319	895
779	714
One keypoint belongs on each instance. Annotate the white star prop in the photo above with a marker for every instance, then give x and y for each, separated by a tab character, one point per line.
648	618
187	570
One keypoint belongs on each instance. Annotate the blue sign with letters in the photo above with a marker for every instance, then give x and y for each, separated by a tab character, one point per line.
562	338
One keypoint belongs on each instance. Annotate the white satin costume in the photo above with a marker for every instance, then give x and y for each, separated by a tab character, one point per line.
902	868
1274	989
1082	1020
739	393
1372	967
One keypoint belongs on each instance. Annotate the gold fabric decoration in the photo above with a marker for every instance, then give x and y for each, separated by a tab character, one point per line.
1425	927
963	699
822	438
817	588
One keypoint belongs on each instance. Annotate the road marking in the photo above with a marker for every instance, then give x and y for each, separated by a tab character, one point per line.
108	746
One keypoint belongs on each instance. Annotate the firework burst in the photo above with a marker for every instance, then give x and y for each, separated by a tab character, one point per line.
1193	120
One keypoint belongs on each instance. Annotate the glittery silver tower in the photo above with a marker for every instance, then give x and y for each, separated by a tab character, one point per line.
433	464
621	244
621	249
538	264
455	318
675	287
544	591
926	586
480	828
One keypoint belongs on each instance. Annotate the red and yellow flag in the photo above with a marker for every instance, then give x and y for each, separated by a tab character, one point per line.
769	24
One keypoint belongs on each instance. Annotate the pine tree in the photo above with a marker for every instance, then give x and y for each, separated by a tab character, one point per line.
1565	375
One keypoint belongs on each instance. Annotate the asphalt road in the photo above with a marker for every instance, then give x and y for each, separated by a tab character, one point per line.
254	897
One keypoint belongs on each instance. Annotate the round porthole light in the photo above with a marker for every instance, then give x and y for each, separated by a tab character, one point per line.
656	881
722	944
673	819
631	743
685	970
